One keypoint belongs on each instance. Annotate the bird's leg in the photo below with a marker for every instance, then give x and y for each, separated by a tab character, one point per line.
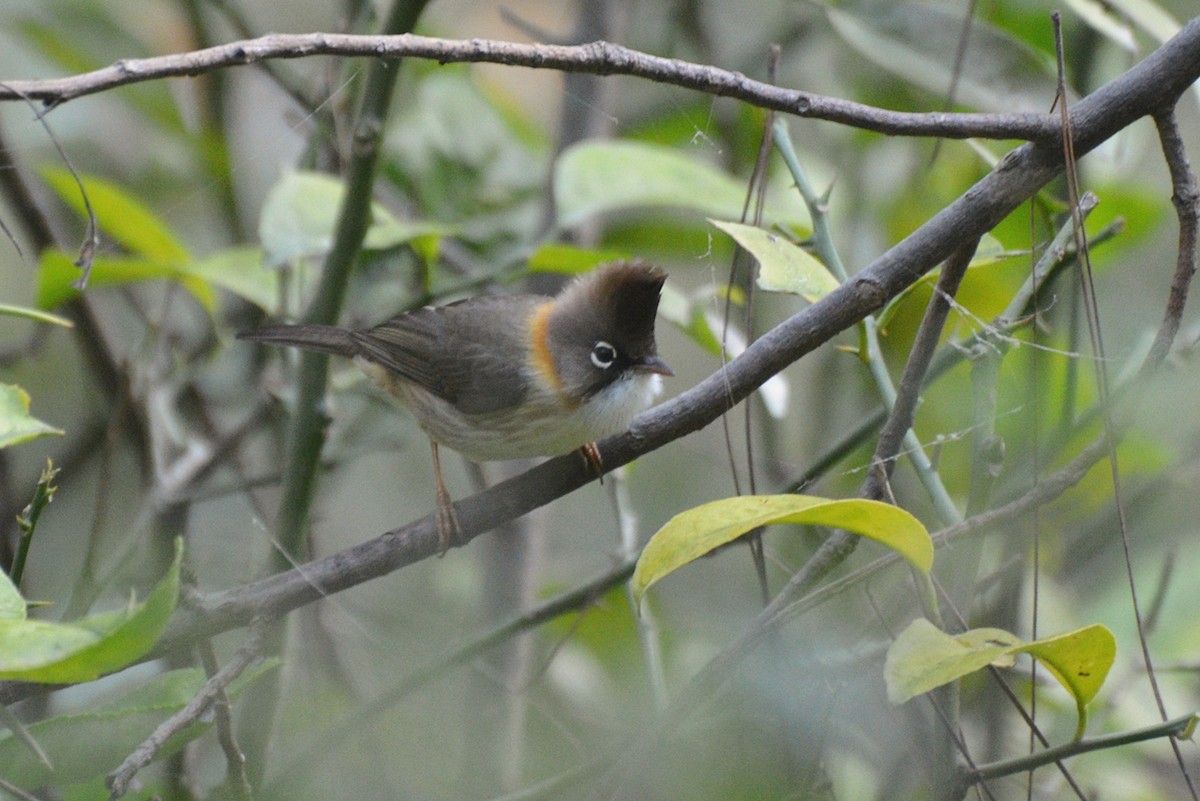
448	528
592	460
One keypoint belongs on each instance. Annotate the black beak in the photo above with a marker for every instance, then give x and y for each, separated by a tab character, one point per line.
652	364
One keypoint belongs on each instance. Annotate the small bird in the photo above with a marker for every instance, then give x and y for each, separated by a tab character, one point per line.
512	376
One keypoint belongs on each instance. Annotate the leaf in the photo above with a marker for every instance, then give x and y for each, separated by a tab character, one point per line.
119	215
554	257
12	605
301	211
923	658
36	315
111	730
783	267
989	251
693	533
917	42
688	315
16	426
596	177
1100	17
240	270
57	272
1149	16
65	653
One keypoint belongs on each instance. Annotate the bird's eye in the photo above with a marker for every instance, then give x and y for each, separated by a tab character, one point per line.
603	355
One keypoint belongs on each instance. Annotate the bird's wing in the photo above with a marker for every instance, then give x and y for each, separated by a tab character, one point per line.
472	353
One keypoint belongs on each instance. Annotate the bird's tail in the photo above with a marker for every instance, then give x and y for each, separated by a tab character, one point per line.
320	338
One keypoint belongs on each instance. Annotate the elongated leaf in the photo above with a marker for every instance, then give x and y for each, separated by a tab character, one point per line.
916	42
57	271
1100	17
595	177
923	658
16	425
555	257
693	533
783	267
110	731
300	213
40	651
120	216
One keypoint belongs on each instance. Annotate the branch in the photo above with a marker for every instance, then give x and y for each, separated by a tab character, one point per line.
1171	728
1146	89
1019	175
213	689
600	58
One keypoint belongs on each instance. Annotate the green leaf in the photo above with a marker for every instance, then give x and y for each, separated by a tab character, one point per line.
595	177
917	43
240	270
57	272
554	257
1149	16
16	426
12	605
783	267
121	217
111	730
688	315
693	533
301	211
36	315
923	658
990	251
63	653
1100	17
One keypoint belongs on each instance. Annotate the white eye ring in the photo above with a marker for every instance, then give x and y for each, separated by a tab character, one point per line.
603	355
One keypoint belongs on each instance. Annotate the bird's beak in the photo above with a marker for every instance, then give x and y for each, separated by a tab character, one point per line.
653	364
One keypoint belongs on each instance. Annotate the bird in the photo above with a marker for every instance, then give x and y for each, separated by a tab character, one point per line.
500	377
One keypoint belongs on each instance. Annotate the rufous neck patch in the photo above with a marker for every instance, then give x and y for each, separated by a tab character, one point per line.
543	361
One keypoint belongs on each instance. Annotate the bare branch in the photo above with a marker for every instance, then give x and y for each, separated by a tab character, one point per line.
211	692
600	58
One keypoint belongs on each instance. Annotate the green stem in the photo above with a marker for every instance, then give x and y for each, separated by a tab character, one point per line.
308	425
1008	767
28	519
823	242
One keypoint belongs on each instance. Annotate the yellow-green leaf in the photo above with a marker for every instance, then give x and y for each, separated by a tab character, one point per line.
1080	660
555	257
923	658
241	271
783	266
41	651
57	272
596	177
16	425
120	216
301	211
695	532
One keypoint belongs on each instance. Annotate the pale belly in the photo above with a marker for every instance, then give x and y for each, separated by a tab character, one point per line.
545	425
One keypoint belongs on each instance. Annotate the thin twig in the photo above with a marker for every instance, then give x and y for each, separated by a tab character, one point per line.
118	781
601	58
236	780
1170	729
1163	75
1186	198
1092	307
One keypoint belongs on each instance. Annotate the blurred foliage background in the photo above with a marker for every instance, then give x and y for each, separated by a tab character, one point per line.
216	196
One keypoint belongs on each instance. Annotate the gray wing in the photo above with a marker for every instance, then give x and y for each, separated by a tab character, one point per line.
471	353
